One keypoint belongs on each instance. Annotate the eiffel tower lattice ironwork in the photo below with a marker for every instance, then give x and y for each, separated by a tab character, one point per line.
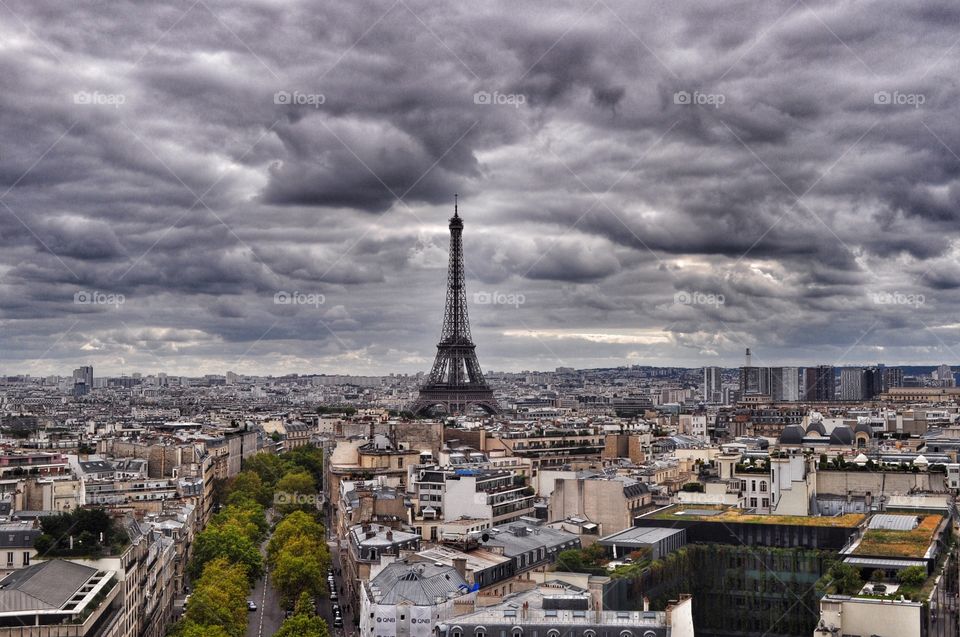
456	382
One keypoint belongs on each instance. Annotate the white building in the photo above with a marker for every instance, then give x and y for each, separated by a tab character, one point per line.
409	599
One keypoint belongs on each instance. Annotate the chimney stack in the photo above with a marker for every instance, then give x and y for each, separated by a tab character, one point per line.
646	604
749	359
460	563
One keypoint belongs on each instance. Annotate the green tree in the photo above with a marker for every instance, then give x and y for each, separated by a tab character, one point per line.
225	542
841	579
269	467
913	576
248	484
218	600
304	622
308	458
296	525
296	490
246	515
299	568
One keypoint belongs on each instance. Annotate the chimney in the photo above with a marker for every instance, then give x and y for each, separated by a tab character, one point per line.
749	359
389	536
646	604
460	563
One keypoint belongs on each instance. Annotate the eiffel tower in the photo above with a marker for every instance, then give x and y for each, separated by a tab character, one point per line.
456	382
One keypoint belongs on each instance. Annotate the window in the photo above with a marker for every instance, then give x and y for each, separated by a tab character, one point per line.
766	502
26	558
763	486
10	558
753	503
753	485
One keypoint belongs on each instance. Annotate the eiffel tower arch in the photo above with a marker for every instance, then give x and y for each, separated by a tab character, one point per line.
456	382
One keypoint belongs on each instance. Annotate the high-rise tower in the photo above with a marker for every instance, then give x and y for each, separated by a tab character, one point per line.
456	381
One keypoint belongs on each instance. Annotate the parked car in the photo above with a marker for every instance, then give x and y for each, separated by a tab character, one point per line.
250	605
338	621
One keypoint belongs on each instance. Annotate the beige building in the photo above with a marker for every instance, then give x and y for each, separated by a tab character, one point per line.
609	501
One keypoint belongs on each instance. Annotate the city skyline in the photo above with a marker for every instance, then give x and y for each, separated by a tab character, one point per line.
201	187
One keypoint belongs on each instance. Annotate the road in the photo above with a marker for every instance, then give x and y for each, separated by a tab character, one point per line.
268	617
266	620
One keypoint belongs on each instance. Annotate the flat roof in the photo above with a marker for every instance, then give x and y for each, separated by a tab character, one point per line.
706	513
639	536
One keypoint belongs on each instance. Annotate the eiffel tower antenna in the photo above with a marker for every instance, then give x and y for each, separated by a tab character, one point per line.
456	381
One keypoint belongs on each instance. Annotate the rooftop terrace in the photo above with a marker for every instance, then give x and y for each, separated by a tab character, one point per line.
885	541
712	513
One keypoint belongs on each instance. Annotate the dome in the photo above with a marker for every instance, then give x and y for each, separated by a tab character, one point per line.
817	426
920	460
863	427
860	460
791	435
841	435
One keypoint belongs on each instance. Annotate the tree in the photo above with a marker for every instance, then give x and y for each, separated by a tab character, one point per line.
298	569
296	490
248	484
218	601
304	622
269	467
913	576
246	515
296	525
308	458
228	542
842	579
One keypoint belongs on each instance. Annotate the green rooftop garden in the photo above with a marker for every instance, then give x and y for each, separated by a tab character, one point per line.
884	543
730	514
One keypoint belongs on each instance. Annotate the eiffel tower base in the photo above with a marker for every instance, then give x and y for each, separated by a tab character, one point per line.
454	400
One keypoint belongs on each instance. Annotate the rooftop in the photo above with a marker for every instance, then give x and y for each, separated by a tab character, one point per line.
419	583
899	536
710	513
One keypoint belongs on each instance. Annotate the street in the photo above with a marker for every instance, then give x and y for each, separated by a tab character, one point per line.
267	618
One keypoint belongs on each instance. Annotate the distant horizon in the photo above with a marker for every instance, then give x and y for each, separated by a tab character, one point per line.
128	374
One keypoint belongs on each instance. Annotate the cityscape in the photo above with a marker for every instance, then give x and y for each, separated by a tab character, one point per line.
400	319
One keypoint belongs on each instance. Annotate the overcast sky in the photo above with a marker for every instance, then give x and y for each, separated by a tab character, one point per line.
659	183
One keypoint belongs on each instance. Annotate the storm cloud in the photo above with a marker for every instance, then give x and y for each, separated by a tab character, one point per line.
264	186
